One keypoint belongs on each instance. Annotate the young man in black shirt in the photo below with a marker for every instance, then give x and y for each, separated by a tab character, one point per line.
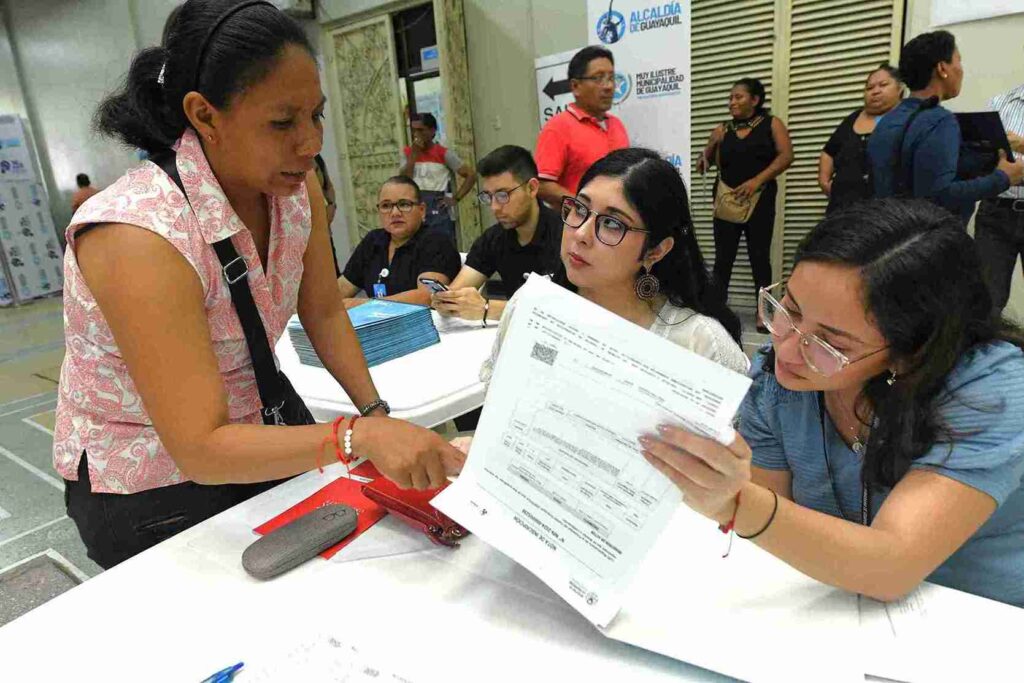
526	239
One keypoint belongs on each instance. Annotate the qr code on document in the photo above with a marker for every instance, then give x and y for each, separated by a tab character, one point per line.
545	354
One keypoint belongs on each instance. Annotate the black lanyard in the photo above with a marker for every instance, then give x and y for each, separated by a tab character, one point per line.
865	495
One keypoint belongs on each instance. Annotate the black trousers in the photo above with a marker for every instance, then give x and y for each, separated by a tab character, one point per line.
758	230
115	527
999	235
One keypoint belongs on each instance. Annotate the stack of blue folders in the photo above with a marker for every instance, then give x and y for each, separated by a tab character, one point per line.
386	330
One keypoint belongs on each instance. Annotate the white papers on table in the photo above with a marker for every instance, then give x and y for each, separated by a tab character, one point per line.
943	635
555	478
321	657
450	324
749	615
386	538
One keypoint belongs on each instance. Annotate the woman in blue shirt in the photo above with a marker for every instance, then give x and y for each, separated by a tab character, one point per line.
882	441
915	149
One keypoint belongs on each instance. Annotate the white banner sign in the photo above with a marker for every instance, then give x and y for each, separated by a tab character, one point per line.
553	91
946	12
651	44
15	157
29	242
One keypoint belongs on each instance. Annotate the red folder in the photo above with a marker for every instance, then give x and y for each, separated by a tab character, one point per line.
345	491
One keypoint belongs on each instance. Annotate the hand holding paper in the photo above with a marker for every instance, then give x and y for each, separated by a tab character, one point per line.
708	474
556	478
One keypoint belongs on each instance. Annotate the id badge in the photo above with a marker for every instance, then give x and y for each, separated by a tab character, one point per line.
379	291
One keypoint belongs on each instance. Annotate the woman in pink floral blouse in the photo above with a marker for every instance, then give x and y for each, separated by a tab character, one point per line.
159	421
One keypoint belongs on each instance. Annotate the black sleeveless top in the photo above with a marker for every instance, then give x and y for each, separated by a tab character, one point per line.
741	160
851	179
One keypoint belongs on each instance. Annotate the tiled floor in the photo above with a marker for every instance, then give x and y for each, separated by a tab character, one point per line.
33	522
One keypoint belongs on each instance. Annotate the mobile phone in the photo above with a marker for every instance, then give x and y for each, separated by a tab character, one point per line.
434	285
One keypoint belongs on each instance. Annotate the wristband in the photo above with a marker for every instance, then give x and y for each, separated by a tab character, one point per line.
730	527
771	518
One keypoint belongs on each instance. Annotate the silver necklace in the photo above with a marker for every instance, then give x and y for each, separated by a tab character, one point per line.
858	446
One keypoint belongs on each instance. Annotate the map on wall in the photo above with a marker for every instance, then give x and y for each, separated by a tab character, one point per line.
945	12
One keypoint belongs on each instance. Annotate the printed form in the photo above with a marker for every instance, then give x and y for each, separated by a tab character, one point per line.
555	477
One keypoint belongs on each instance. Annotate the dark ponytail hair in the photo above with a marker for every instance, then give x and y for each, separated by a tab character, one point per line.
655	189
922	285
756	89
240	51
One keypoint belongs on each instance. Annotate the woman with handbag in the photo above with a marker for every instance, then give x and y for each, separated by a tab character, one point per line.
843	172
182	275
751	151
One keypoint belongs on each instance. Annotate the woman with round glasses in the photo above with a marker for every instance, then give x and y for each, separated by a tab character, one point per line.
390	261
628	246
882	441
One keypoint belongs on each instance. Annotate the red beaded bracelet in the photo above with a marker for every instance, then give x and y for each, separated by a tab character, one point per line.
730	528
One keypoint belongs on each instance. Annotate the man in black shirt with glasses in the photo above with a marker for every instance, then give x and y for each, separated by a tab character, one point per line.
526	239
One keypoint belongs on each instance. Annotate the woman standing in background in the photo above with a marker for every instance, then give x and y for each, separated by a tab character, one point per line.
843	172
751	151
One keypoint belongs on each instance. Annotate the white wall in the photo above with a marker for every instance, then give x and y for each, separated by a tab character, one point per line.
69	53
993	56
58	59
502	39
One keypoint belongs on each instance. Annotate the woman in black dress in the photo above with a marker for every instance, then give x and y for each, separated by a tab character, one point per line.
843	168
751	151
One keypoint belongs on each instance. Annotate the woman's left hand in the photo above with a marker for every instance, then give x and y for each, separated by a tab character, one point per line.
708	473
747	189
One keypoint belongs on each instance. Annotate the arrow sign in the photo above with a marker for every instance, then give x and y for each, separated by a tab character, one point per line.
555	88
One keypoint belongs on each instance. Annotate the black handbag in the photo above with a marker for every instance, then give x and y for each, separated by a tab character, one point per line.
281	404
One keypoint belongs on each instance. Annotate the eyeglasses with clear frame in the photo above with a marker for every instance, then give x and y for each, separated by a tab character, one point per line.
820	356
608	229
502	197
403	205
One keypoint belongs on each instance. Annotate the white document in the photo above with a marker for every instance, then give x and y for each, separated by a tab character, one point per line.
941	634
322	657
748	615
555	478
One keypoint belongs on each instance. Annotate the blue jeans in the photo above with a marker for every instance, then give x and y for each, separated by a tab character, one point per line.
439	216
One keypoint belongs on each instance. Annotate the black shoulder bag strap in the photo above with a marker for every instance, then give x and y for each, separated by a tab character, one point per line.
272	387
902	186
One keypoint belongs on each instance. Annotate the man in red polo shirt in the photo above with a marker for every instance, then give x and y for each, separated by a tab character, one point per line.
574	139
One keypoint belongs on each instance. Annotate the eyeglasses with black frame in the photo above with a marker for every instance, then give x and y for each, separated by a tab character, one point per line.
608	229
600	79
818	354
502	197
403	205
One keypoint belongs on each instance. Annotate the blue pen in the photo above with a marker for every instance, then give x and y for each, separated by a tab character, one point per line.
225	675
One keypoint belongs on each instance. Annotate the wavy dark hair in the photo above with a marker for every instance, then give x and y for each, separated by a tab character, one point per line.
655	189
240	52
923	288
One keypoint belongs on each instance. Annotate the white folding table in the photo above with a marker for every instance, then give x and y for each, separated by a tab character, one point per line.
428	387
